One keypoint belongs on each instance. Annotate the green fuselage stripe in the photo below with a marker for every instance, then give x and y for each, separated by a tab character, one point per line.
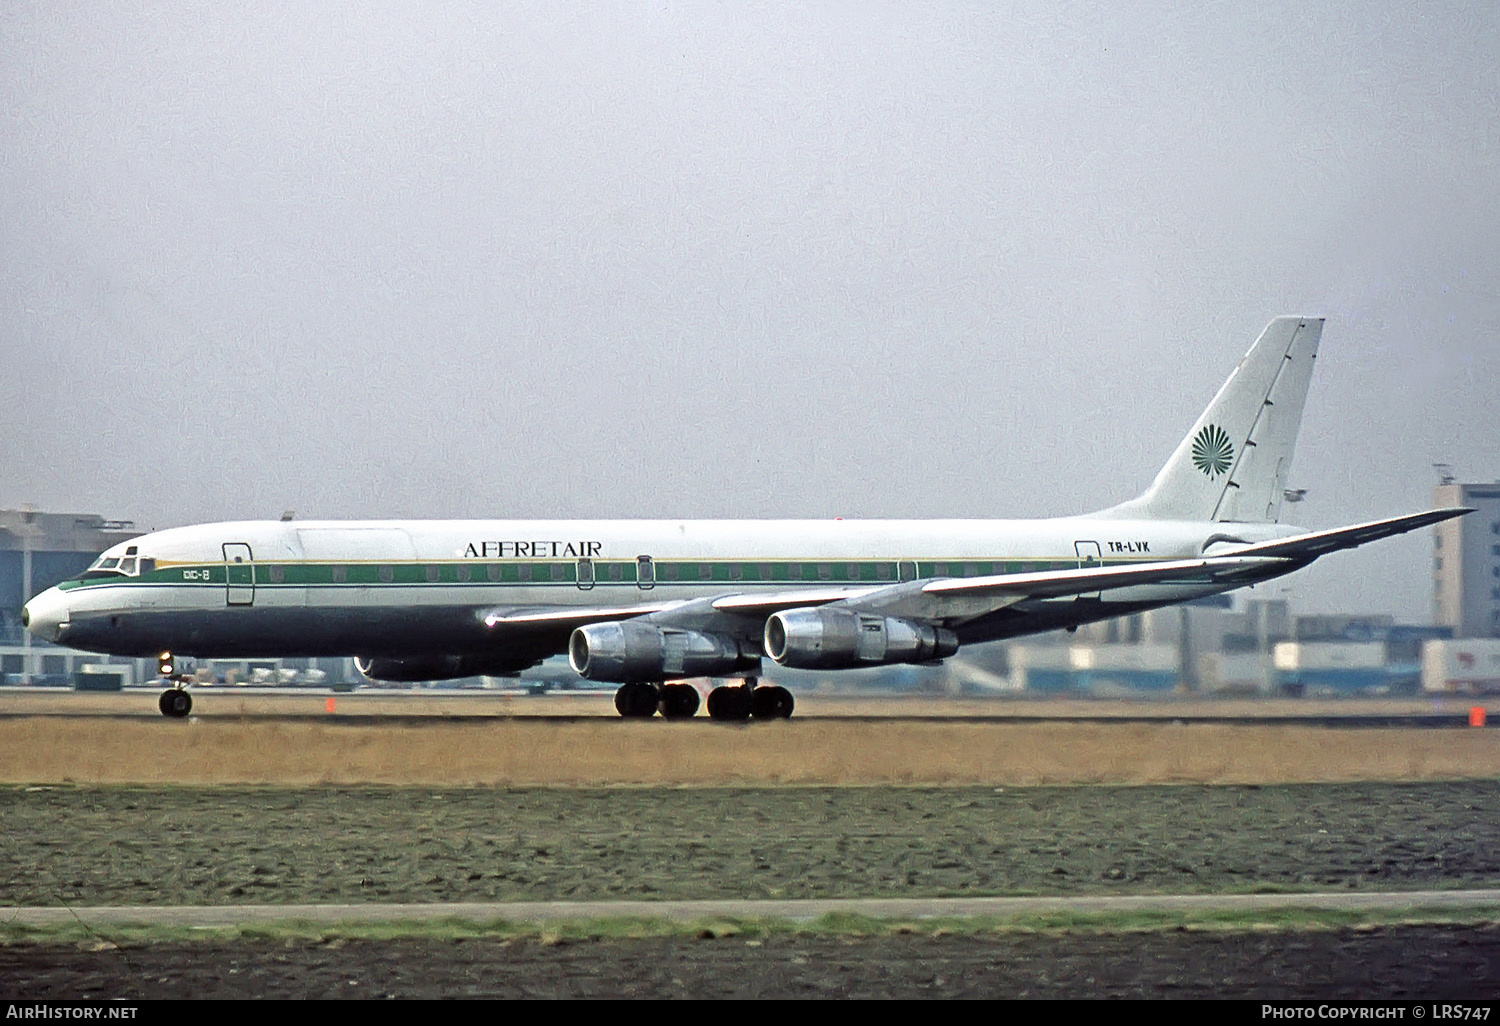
456	573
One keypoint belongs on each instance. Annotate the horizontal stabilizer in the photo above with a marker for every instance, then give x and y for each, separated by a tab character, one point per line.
1307	547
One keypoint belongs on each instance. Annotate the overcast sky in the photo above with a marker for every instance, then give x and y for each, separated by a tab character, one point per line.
977	260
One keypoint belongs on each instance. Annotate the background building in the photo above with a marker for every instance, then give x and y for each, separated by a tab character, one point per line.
37	550
1466	561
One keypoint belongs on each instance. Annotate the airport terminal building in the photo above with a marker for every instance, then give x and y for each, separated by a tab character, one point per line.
37	550
1466	561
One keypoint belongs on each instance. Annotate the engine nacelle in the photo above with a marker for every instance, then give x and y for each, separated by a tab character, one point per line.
843	639
439	667
628	651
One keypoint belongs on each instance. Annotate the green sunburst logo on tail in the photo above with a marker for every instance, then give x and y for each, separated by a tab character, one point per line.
1212	451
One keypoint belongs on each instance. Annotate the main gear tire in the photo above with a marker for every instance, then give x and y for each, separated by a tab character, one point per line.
771	703
636	701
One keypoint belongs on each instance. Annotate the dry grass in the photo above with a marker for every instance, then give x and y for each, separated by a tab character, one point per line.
235	741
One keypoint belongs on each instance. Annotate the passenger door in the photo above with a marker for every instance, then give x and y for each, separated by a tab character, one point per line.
239	575
1089	555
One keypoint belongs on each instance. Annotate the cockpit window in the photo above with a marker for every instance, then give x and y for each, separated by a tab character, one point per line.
129	565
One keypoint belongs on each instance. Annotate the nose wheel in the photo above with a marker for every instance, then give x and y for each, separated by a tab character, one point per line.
175	703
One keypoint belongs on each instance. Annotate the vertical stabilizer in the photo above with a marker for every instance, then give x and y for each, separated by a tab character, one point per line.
1233	464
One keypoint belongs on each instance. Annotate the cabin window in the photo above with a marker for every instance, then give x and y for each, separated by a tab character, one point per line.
277	574
669	572
523	572
387	574
736	572
432	574
883	571
616	572
340	574
461	572
853	569
940	569
794	571
705	572
825	572
559	572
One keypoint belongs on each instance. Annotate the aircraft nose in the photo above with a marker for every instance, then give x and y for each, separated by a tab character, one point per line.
46	615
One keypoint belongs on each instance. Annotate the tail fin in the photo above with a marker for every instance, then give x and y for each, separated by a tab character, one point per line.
1233	464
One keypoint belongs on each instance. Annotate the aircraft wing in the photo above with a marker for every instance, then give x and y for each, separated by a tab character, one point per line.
1087	580
936	600
1305	548
569	617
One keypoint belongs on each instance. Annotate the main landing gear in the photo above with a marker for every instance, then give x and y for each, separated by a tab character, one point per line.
174	703
676	700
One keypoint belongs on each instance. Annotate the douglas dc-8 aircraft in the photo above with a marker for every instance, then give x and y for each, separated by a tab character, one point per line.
647	603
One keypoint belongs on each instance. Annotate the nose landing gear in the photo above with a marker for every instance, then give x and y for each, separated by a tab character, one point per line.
174	703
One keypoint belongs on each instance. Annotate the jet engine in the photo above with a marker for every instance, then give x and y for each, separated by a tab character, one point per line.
843	639
439	667
628	651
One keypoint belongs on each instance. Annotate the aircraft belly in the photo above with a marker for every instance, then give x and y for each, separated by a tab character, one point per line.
291	632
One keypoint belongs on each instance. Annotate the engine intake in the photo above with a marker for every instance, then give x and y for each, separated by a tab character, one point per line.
628	651
842	639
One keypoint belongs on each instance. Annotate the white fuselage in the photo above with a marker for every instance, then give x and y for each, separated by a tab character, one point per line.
266	588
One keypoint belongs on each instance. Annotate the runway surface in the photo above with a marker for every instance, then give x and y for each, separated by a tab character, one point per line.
396	708
206	916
